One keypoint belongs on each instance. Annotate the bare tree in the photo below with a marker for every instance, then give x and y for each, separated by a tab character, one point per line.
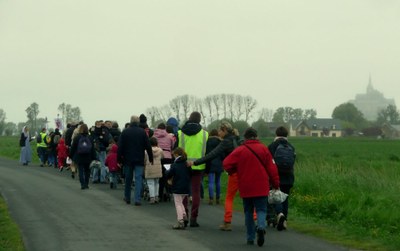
224	104
238	107
249	105
175	105
198	105
208	106
230	100
215	100
186	105
76	114
310	114
266	114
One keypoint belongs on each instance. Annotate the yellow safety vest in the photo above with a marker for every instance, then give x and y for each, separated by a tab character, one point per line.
43	143
194	146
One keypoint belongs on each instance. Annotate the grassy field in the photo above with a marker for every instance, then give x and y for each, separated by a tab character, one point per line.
10	238
346	189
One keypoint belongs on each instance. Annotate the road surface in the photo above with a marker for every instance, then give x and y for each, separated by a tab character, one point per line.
53	213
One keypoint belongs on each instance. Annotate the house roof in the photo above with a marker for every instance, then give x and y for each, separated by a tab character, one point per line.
318	124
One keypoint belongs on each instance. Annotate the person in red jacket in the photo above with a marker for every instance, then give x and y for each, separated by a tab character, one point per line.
113	165
62	154
255	168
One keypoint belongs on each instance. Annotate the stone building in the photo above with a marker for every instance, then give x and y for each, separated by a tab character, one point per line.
371	102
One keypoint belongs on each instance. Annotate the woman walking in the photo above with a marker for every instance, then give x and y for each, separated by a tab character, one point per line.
26	150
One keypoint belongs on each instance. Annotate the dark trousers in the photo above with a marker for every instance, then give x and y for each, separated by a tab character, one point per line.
84	174
284	206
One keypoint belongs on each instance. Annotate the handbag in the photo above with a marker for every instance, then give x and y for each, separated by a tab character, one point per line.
276	196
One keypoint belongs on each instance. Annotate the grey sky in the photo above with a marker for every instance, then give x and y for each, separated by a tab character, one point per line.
117	58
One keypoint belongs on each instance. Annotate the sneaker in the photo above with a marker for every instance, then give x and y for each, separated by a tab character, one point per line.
260	237
127	201
193	223
226	226
179	225
281	222
152	200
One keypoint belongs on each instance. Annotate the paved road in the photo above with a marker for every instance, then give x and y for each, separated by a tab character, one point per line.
54	214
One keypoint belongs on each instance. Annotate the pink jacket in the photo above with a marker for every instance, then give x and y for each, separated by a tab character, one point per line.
165	142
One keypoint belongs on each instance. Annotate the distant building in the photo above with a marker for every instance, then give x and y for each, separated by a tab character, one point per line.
391	131
315	128
371	102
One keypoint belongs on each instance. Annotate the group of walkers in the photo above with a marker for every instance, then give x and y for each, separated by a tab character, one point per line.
169	160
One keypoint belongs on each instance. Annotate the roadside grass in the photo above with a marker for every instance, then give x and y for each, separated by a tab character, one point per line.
346	190
10	237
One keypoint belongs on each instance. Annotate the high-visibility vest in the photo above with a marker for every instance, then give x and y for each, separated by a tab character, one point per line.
43	143
194	146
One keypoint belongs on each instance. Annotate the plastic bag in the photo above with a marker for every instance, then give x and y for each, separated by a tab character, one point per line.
276	196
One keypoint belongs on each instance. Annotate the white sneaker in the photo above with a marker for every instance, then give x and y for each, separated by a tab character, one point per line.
281	219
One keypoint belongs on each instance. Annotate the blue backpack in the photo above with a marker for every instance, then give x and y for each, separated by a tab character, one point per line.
84	145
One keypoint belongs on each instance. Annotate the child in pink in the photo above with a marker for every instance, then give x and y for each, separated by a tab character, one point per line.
113	166
62	154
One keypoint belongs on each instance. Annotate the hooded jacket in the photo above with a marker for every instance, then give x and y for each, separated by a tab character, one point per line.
193	139
154	171
62	151
111	160
165	142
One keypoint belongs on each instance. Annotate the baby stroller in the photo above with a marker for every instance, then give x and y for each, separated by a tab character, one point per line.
145	191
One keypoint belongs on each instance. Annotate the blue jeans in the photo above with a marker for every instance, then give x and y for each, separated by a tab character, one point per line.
128	170
114	179
103	172
260	205
214	178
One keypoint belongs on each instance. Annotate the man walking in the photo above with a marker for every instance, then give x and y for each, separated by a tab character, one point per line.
131	146
193	139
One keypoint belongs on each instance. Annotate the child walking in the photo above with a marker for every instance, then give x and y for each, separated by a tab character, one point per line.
153	173
180	174
113	166
62	154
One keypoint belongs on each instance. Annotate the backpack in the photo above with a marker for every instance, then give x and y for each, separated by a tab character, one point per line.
84	145
39	138
284	158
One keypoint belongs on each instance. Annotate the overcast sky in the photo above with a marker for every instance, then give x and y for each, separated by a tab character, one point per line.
117	58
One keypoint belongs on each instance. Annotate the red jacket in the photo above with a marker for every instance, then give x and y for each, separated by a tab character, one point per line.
253	177
111	160
62	151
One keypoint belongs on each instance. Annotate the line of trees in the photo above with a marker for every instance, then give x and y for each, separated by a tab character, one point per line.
238	109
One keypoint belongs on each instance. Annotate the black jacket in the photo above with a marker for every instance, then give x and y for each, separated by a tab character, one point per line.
214	165
284	178
82	158
131	146
180	173
227	145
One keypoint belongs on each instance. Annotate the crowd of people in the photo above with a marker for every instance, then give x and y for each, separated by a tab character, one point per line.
169	161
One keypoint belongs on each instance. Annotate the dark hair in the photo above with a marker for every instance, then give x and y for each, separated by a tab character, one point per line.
142	118
170	129
115	125
161	126
153	141
214	132
195	117
180	152
250	133
281	131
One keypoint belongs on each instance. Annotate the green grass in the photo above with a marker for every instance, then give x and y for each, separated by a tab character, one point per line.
347	190
10	237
